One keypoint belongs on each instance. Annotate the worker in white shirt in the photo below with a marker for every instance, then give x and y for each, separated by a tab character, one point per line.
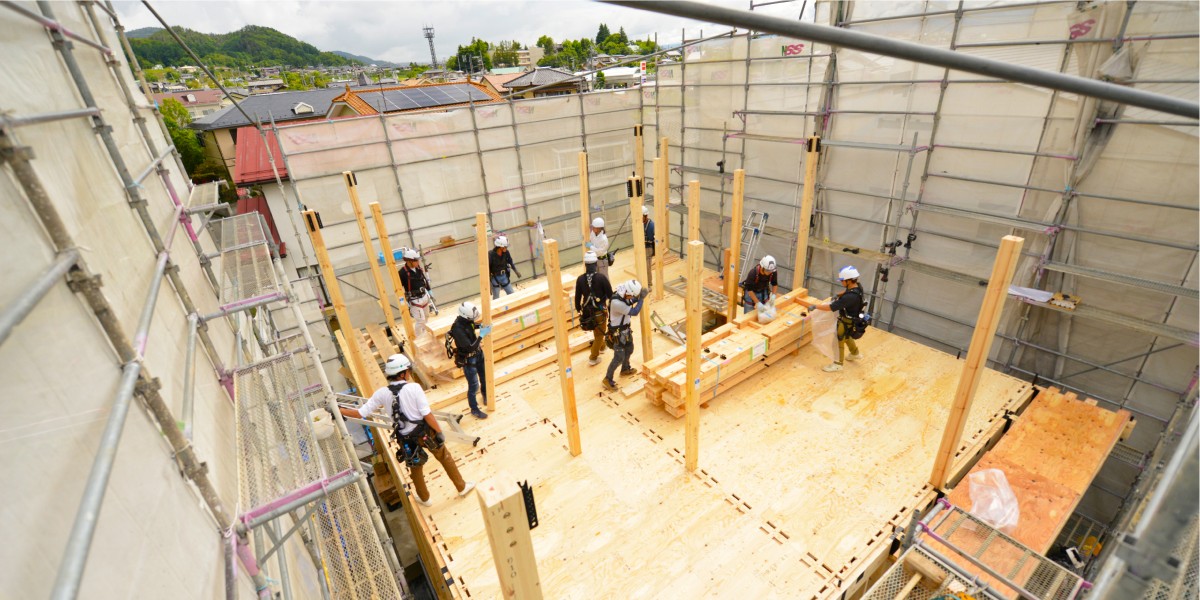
599	244
413	426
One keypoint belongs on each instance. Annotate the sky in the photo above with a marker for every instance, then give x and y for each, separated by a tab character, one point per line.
392	30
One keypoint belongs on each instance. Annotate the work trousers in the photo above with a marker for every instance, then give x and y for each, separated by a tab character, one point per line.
649	267
420	315
598	336
476	379
443	456
602	266
496	287
844	340
621	354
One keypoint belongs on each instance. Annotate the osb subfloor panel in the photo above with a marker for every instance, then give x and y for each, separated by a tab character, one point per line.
802	475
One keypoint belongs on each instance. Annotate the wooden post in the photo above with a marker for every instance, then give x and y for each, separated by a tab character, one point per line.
485	307
355	356
372	260
695	310
981	345
662	196
566	376
639	153
405	317
811	159
729	275
735	245
639	262
507	527
693	210
585	207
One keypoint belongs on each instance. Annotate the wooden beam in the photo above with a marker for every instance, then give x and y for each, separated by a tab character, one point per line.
735	244
485	301
811	159
507	527
662	196
405	317
566	377
639	261
639	153
585	207
977	353
695	266
339	303
372	260
730	281
693	210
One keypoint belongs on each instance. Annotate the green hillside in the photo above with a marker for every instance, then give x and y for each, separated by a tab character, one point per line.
250	45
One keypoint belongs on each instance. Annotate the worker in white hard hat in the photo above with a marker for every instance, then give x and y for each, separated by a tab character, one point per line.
760	283
648	232
598	243
417	290
625	305
413	426
467	337
500	261
592	294
848	304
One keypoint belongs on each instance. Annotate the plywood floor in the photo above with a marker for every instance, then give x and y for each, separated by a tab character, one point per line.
803	475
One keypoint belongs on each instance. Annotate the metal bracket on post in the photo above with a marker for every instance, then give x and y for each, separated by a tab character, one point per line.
530	505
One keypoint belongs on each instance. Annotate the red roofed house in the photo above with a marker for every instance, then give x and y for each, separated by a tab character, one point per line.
197	102
253	167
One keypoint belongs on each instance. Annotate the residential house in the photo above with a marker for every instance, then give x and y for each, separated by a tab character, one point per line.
528	59
219	131
199	103
499	82
622	77
266	86
393	99
269	71
558	82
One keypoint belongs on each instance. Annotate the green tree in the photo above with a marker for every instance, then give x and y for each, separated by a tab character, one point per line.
293	81
646	47
546	43
193	84
602	34
186	143
600	81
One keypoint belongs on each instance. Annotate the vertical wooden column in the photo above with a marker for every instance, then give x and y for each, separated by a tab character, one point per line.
639	153
811	159
637	190
405	317
485	307
662	196
507	527
735	244
981	345
352	190
695	266
693	210
728	274
357	366
566	376
585	207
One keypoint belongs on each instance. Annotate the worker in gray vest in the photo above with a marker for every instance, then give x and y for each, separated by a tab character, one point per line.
626	304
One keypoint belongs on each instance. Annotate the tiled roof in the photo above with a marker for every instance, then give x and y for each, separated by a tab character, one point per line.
201	96
263	106
501	81
393	99
539	76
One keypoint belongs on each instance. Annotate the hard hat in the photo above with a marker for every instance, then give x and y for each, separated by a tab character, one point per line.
645	211
768	263
501	241
410	254
468	311
589	257
632	287
598	223
396	363
847	272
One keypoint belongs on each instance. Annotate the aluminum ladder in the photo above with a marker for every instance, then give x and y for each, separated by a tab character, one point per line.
751	230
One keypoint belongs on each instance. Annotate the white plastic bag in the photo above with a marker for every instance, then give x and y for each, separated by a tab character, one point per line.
824	328
766	312
993	501
322	423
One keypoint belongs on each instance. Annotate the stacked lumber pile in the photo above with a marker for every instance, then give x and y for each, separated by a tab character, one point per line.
730	354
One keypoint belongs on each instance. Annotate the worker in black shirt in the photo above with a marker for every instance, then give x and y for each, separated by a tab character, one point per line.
592	292
468	353
416	289
760	283
499	262
848	305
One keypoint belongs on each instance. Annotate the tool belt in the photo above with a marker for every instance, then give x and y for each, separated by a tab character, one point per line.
621	335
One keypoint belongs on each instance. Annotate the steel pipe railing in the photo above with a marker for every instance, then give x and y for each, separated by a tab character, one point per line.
8	122
16	312
55	26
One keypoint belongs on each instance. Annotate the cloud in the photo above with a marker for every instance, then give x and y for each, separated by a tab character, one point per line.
392	30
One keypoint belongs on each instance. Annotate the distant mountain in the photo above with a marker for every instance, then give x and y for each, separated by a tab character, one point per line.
144	32
366	60
251	45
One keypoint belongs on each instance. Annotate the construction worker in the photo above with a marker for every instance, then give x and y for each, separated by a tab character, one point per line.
592	292
760	283
626	304
413	426
848	304
416	290
599	244
648	232
468	353
499	262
